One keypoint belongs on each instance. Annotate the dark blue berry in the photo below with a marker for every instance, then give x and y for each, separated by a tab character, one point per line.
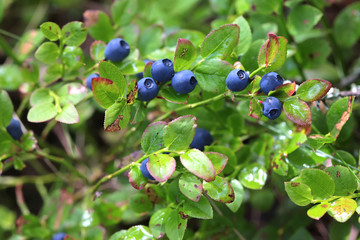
270	81
14	129
272	108
237	80
144	170
201	139
117	49
184	81
162	70
89	78
59	236
147	89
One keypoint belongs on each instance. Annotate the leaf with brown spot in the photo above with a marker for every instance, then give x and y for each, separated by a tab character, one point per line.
132	91
343	119
117	116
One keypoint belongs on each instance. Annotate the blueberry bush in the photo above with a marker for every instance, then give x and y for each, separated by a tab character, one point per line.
197	119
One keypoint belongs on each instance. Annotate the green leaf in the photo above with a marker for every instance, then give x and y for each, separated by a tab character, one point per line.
317	211
296	140
268	51
157	222
313	90
180	133
10	77
51	31
42	112
201	209
346	156
342	209
338	114
105	92
219	190
138	112
314	52
347	26
41	95
136	179
280	56
185	55
321	184
150	40
279	165
198	164
48	53
253	176
345	182
218	160
72	58
193	36
108	213
284	90
97	50
138	232
170	95
68	114
245	35
28	141
161	166
147	69
6	110
5	143
99	25
123	12
140	203
152	138
8	218
110	71
190	186
211	75
299	193
220	42
302	19
250	59
239	195
74	33
175	226
297	111
95	233
117	116
129	66
72	93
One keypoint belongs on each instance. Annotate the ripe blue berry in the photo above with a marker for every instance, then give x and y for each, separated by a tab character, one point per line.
14	129
270	81
89	78
117	49
237	80
201	139
184	81
59	236
162	70
148	89
272	108
145	171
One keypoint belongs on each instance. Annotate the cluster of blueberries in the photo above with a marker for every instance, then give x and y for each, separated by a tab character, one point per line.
201	139
237	80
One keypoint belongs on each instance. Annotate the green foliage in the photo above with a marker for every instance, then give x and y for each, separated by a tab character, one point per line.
90	140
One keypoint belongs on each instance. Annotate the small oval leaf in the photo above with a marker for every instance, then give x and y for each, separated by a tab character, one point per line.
136	179
191	186
161	166
219	190
198	164
313	90
298	111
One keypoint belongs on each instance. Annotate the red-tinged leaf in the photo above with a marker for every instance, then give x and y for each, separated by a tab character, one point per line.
298	111
105	91
97	50
112	72
136	179
218	160
280	56
198	164
343	119
268	51
185	55
161	166
255	109
219	190
131	92
147	69
313	90
191	186
283	91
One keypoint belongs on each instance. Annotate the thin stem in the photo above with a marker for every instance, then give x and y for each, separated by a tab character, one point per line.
15	181
9	34
256	71
21	201
8	51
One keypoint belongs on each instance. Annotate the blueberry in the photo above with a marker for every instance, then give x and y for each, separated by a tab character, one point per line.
14	129
117	49
162	70
89	78
272	108
144	170
237	80
201	139
148	89
59	236
184	81
270	81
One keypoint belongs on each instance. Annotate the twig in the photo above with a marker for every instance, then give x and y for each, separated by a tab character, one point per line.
20	200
